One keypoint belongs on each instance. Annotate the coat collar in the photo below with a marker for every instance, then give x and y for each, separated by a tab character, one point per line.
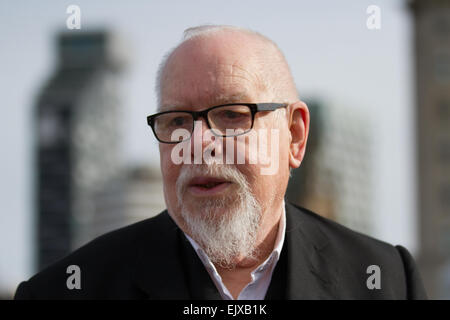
168	267
310	275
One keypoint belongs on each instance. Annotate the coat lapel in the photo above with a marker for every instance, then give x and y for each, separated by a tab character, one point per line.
310	275
168	268
159	271
199	282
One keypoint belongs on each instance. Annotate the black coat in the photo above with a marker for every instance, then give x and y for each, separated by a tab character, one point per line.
152	259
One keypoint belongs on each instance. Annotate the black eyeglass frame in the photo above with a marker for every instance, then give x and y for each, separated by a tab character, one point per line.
254	108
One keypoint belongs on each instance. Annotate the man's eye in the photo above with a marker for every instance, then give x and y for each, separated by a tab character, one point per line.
178	121
232	115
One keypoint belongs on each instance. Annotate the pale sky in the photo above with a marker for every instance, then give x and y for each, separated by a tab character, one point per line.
332	54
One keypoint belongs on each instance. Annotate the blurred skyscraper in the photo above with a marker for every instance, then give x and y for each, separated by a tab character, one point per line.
336	176
77	141
432	53
135	195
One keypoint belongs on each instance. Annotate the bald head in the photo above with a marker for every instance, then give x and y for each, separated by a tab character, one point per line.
214	62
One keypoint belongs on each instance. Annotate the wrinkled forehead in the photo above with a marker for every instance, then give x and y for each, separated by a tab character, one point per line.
202	73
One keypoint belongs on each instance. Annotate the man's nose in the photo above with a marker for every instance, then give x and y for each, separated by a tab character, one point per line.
202	138
199	136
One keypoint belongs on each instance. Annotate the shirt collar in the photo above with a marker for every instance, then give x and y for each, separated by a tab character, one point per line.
279	241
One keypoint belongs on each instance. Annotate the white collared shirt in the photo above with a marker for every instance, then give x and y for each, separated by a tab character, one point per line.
261	276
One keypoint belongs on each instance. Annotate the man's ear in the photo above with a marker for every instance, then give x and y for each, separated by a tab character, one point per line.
299	129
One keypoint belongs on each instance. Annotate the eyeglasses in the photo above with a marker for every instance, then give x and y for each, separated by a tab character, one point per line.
226	120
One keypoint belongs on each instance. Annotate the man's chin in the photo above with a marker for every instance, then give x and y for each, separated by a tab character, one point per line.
209	208
221	201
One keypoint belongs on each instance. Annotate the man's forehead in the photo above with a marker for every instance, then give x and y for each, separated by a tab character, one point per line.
208	72
214	100
201	85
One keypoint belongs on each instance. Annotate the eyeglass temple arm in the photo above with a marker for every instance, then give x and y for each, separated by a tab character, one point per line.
269	106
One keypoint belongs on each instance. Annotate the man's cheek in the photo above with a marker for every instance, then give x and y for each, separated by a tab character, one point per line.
168	168
171	173
166	157
245	149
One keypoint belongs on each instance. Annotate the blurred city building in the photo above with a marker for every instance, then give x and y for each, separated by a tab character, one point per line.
136	195
432	63
77	140
336	175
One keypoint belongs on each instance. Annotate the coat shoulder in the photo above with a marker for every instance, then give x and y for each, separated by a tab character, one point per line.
355	256
109	258
338	234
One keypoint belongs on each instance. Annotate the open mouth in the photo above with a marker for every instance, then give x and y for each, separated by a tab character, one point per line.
207	185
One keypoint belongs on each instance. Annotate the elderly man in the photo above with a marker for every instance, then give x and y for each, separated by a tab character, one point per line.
230	127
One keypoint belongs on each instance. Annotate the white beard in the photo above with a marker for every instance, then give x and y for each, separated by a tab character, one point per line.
224	226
